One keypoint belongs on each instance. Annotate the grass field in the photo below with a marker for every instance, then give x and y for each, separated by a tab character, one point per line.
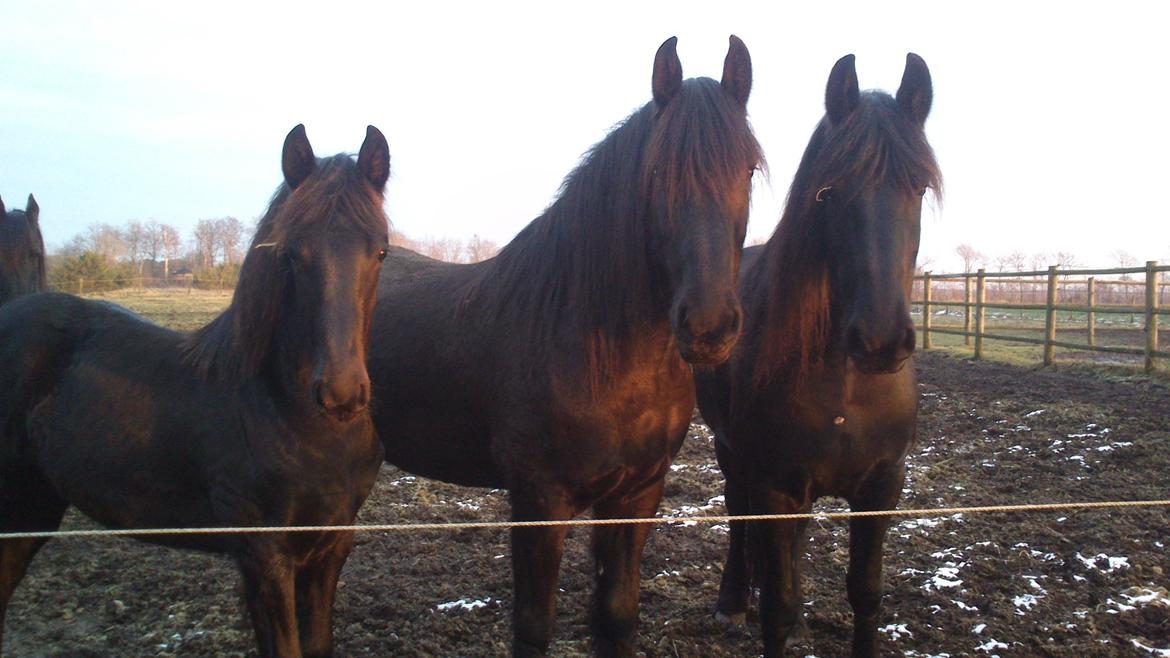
177	309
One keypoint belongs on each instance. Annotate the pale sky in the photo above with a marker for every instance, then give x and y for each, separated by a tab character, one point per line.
1049	120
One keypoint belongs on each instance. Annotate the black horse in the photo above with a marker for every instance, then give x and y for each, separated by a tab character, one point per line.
559	369
258	419
817	399
22	251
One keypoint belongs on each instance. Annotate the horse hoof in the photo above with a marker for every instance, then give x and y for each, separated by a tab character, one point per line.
732	621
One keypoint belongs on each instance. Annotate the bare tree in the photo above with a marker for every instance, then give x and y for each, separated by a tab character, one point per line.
206	238
970	256
445	249
106	241
1066	260
152	241
1124	259
134	235
170	243
1017	261
230	233
480	249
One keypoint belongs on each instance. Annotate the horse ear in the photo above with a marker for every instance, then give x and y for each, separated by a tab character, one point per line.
374	158
842	94
916	92
737	71
298	160
31	210
3	212
667	72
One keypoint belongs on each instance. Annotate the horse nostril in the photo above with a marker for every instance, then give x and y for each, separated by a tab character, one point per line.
909	340
736	321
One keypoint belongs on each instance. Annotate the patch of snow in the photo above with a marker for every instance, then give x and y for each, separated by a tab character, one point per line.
1034	413
978	629
1114	563
991	645
895	631
1163	653
1024	603
463	604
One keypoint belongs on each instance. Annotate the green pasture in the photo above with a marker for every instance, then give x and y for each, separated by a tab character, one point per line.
175	308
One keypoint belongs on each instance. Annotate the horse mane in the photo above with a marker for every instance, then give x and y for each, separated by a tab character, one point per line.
236	344
788	295
585	264
18	273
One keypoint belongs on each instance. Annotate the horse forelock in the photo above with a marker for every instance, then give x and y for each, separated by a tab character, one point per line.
702	146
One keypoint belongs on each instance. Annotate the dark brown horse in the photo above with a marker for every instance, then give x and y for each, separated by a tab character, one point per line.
818	399
559	369
258	419
22	251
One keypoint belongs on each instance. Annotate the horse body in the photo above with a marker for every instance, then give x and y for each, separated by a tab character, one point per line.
22	251
101	417
473	425
558	369
818	399
258	419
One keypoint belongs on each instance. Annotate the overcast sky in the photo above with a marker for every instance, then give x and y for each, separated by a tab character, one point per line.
1049	120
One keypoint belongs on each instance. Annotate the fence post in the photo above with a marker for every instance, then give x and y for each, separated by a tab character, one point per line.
80	286
980	298
926	310
1050	318
1151	313
1092	315
967	310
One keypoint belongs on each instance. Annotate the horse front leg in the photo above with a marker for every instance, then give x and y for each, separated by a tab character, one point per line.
27	504
735	584
270	596
536	563
316	586
777	558
617	552
866	538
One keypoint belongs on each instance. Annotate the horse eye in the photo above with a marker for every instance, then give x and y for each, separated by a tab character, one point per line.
825	194
922	191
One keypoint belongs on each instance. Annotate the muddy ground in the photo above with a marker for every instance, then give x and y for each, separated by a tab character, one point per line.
1089	583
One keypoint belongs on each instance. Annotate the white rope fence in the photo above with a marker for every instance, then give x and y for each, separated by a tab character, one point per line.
655	520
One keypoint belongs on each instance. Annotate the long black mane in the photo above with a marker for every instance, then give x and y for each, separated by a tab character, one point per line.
586	264
788	293
233	346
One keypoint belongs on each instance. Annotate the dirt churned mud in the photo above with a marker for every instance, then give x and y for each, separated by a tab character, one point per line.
1081	583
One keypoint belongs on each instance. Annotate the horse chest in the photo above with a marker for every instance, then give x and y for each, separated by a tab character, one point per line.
825	438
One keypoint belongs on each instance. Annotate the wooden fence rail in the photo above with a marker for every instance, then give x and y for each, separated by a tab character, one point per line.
1061	292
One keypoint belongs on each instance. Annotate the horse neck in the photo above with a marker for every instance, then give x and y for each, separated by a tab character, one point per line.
790	295
583	270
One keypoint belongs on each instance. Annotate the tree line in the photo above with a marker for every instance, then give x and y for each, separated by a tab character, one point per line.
105	256
1019	261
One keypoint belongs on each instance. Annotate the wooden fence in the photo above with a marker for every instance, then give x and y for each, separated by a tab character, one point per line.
1072	290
